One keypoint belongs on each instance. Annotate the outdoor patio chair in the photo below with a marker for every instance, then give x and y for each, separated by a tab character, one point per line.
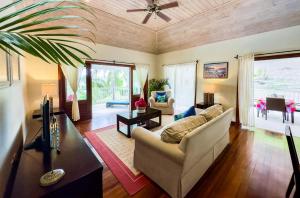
276	104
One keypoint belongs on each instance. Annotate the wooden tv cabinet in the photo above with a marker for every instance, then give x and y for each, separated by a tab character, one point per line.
83	171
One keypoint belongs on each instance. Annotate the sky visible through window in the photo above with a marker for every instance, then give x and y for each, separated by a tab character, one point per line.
279	77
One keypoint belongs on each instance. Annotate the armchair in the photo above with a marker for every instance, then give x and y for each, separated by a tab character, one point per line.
165	107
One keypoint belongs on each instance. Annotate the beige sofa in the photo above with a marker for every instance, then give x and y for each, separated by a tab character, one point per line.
177	167
165	107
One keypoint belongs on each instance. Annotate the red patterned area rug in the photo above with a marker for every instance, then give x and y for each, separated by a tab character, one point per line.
116	150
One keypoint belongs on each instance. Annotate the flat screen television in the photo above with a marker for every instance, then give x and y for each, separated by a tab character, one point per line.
42	142
45	110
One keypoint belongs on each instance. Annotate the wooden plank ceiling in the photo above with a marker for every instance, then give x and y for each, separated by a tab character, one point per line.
194	22
186	9
244	18
109	29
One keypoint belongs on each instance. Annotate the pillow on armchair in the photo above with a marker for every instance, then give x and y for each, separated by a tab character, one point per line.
161	97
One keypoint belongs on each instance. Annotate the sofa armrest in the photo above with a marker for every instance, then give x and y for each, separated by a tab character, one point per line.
145	137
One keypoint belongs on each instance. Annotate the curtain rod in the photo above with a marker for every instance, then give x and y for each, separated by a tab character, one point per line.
197	61
116	62
109	61
270	53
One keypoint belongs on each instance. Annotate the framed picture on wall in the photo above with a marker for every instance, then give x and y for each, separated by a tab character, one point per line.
4	70
215	70
15	67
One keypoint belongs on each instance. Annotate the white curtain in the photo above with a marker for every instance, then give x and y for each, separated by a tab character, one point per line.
72	75
182	82
246	90
142	72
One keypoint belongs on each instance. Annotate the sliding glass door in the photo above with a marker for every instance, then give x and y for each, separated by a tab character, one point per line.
182	83
110	90
275	81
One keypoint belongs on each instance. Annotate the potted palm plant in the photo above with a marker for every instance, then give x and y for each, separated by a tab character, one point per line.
30	29
157	85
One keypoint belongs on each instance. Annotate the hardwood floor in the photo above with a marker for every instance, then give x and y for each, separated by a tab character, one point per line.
255	164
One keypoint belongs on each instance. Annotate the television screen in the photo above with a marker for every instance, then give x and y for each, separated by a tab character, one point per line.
45	109
43	142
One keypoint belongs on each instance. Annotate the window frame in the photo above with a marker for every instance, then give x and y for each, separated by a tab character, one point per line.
66	84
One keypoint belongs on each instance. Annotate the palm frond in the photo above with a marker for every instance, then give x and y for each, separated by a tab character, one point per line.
74	42
10	5
27	33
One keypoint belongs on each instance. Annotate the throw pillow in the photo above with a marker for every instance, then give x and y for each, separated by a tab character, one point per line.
178	116
190	112
160	94
176	131
212	112
161	99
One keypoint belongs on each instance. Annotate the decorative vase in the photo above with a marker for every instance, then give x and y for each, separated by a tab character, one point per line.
141	109
141	105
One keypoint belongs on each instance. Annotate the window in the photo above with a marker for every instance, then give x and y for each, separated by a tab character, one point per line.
182	83
81	92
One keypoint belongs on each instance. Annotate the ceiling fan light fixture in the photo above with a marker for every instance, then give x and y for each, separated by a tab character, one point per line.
154	7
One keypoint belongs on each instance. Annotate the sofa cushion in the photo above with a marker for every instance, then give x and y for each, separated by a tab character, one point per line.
198	111
174	132
212	112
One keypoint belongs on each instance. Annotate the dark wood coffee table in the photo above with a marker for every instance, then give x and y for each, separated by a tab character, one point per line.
133	119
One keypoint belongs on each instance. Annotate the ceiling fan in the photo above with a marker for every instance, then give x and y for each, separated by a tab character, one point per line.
154	7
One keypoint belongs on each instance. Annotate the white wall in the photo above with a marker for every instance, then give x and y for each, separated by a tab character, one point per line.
39	72
225	90
12	121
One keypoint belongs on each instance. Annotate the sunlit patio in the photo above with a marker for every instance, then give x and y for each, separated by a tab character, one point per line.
274	122
110	93
276	90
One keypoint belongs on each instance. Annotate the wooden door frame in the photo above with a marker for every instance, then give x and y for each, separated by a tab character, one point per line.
131	68
86	113
262	57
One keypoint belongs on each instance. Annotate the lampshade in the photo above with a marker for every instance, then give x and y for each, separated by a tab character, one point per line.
50	89
210	88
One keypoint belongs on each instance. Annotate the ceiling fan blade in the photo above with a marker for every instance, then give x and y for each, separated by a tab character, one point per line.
147	17
169	5
136	10
150	2
163	16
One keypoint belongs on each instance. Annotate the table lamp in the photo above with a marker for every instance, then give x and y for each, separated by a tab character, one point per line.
50	89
